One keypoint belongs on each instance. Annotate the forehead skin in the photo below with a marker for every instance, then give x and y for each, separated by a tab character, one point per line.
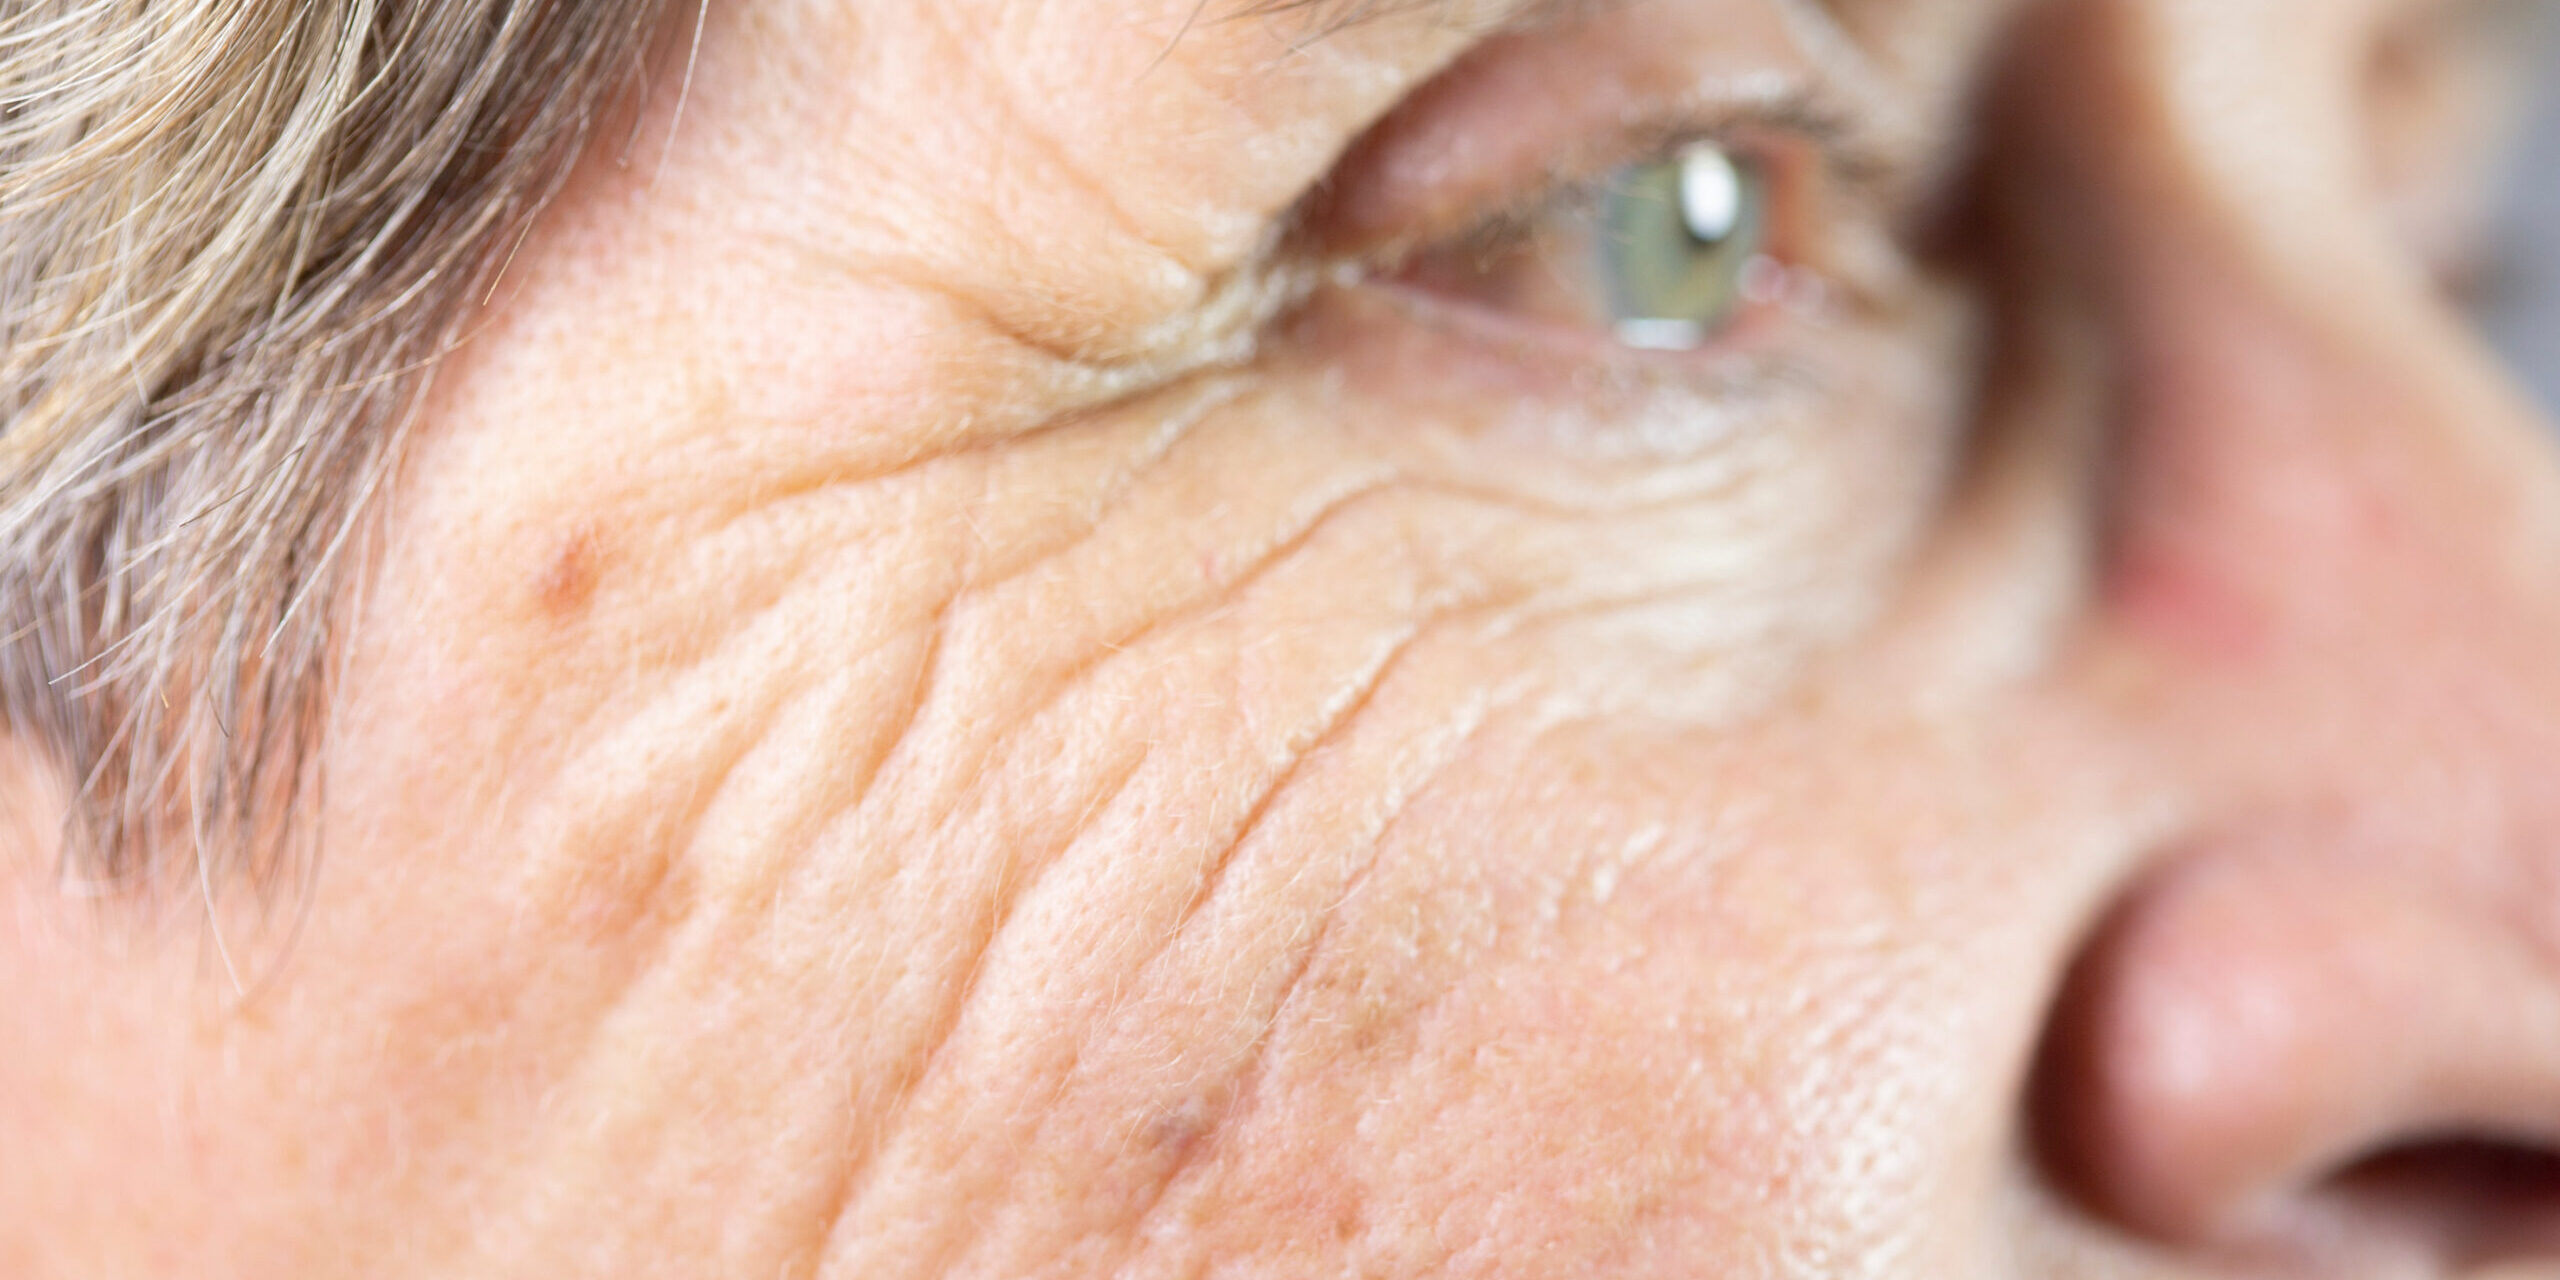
929	705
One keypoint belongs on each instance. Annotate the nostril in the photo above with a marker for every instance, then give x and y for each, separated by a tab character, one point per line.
2475	1201
2472	1167
2215	1070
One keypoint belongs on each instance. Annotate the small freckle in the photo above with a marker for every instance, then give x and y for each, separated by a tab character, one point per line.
1177	1128
569	574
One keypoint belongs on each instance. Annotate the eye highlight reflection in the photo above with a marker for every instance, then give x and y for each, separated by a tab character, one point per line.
1682	251
1679	240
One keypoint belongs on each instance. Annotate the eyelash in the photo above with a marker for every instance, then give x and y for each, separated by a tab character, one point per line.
1521	368
1798	120
1816	163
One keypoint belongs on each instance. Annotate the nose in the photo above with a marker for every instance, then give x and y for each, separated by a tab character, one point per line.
2327	1018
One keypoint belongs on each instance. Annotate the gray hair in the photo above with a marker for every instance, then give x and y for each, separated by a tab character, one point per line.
234	236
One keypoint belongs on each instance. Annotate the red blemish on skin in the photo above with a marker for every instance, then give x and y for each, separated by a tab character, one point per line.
568	577
2177	599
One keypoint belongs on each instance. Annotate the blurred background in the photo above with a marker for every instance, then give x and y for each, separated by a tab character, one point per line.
2522	308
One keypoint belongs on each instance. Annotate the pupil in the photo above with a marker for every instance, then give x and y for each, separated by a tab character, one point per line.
1710	195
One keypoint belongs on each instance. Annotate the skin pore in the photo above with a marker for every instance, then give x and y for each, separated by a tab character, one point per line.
981	670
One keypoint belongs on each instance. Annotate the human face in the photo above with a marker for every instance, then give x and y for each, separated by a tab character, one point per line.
1063	639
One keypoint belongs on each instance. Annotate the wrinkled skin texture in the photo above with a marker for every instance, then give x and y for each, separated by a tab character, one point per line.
941	697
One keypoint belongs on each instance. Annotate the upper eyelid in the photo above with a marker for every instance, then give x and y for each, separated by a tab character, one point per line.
1579	188
1852	166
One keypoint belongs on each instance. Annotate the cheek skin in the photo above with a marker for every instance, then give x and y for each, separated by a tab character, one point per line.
1606	1000
1218	825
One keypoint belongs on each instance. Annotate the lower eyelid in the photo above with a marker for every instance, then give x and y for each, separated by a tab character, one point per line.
1525	351
1816	372
1860	427
1463	368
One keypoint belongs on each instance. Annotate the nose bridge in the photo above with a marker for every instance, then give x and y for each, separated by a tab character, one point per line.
2318	463
2303	478
2334	545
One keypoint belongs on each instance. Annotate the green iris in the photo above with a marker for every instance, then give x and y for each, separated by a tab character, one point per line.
1677	240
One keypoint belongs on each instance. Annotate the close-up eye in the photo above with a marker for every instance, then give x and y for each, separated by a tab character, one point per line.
1671	262
1667	253
1677	243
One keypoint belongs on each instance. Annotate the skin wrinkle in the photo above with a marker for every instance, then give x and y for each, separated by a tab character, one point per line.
911	710
1604	603
902	737
1226	304
857	1174
1013	403
758	605
776	685
1331	726
1330	722
748	900
1296	533
1211	389
1178	344
1738	524
1168	434
928	673
756	628
1457	734
618	806
1158	444
1032	127
1381	1096
1366	1242
1334	725
1097	654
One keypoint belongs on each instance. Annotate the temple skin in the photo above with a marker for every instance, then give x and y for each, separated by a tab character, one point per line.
949	688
